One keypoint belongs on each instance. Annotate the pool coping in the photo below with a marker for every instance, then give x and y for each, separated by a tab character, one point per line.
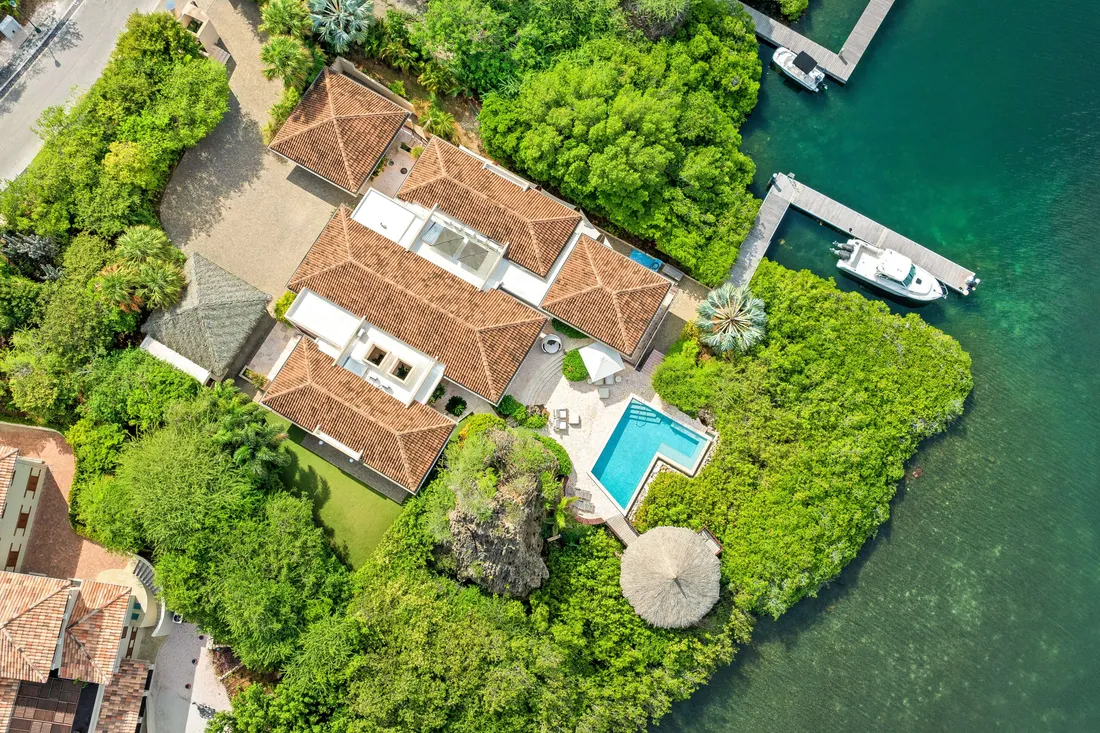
658	456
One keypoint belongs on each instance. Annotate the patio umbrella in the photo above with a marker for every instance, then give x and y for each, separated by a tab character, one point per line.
601	361
670	576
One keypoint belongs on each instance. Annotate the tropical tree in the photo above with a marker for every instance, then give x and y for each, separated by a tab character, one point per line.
116	285
286	18
438	121
141	243
437	80
159	283
286	58
731	318
340	23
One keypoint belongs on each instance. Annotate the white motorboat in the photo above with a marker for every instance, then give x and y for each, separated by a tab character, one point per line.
888	270
801	67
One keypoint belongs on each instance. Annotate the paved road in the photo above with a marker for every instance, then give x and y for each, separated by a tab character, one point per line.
74	58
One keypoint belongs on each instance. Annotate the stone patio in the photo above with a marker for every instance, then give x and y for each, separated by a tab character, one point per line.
540	382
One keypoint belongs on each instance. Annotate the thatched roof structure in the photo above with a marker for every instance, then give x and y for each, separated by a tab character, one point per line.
670	576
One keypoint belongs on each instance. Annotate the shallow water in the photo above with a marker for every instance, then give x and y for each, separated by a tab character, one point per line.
974	128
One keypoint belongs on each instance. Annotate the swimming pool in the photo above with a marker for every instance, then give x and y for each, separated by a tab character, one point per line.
645	260
640	435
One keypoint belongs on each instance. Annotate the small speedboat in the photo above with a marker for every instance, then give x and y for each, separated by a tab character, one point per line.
888	270
799	66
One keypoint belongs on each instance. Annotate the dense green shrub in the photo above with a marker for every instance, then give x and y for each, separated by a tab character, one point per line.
280	113
573	368
232	552
133	389
646	135
104	162
815	423
479	423
565	464
536	421
456	405
479	45
96	447
566	330
46	365
20	301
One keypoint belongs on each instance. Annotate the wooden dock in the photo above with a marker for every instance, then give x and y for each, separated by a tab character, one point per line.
837	65
785	193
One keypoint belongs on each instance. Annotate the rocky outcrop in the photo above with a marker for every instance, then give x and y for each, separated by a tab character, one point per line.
496	525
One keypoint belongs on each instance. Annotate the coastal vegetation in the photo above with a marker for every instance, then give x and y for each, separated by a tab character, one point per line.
816	421
645	135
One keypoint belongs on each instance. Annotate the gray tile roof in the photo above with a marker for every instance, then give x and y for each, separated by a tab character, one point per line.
213	320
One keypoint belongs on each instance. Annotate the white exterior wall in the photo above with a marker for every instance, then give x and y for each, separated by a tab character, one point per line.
29	473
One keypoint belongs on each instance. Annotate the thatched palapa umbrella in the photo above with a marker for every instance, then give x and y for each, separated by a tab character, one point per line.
670	576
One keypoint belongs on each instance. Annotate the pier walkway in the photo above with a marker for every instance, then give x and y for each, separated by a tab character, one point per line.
837	65
784	192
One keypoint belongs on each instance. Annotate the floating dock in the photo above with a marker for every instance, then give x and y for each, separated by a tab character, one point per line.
784	193
837	65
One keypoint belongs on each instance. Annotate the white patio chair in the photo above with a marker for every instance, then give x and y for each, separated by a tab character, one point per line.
605	393
575	420
562	426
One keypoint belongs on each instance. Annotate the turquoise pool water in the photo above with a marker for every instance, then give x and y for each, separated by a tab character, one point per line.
645	260
642	433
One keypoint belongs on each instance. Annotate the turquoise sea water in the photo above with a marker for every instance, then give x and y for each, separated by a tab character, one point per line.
640	434
972	127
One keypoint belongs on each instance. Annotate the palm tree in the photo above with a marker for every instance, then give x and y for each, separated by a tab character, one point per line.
286	58
731	318
560	516
437	80
438	121
341	23
116	285
286	18
141	243
160	283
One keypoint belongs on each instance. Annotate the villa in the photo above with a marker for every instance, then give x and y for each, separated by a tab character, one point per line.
445	274
67	646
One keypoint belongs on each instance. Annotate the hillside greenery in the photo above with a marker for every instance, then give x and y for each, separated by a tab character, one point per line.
816	422
645	135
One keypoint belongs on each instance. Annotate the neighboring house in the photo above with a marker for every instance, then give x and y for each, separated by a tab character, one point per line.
452	278
65	656
343	126
20	481
213	330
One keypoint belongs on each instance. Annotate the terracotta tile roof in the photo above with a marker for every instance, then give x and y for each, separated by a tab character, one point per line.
339	130
9	689
608	296
92	636
8	455
481	337
399	442
122	699
534	226
32	609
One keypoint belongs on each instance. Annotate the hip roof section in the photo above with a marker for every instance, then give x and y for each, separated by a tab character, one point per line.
32	609
534	226
608	296
481	336
92	635
399	442
340	130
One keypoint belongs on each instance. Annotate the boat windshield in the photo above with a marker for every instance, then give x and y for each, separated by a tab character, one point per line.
909	278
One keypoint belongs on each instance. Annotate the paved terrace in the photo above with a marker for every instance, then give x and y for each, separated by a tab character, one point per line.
785	192
540	382
837	65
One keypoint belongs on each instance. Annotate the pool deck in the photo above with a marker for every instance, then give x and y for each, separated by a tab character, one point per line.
540	382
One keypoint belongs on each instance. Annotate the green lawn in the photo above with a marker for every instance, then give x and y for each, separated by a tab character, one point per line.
356	515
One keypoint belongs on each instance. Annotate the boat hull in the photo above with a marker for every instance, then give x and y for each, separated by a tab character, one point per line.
783	58
891	288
